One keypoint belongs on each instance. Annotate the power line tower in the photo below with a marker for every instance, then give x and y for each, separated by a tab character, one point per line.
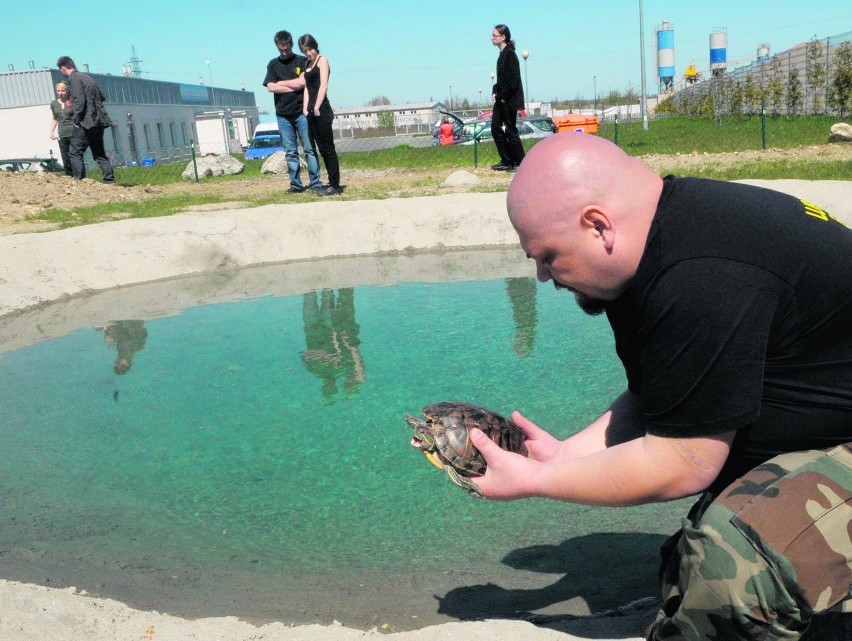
133	69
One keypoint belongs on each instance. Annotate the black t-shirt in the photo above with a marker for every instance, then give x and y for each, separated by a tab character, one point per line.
740	318
287	105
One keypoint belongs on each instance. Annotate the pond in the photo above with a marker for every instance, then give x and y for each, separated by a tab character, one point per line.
251	458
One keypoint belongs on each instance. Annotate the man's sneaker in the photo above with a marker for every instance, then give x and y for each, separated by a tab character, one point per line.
317	188
330	190
512	168
499	167
295	190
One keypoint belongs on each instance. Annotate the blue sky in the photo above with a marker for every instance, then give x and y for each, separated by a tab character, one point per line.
405	50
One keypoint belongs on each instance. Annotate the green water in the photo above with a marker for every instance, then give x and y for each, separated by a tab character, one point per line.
261	445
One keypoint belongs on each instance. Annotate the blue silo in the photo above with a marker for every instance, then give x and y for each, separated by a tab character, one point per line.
718	51
665	56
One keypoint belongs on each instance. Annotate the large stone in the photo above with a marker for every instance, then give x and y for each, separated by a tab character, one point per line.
275	163
840	132
213	165
461	178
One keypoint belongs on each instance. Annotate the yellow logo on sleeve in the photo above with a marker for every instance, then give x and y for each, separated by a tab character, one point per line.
819	212
298	71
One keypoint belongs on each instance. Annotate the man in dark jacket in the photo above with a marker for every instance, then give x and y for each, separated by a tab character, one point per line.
508	95
90	119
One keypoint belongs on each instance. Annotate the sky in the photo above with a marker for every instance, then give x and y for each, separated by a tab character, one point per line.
407	51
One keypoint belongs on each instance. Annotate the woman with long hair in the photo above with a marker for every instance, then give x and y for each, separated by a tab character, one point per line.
319	113
508	93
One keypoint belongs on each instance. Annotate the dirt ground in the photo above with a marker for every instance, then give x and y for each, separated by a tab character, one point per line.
24	196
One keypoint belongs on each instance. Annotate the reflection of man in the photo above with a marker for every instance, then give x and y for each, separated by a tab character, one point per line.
731	308
331	337
127	337
521	293
90	119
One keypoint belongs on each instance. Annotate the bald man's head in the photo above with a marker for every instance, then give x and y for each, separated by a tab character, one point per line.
582	209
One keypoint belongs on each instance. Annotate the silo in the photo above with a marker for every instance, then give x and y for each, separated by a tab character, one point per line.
763	51
665	55
718	51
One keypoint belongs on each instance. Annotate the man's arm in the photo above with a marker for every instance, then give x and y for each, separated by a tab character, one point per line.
287	86
606	464
78	97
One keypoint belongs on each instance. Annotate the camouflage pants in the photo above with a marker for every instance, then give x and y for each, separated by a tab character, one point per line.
771	555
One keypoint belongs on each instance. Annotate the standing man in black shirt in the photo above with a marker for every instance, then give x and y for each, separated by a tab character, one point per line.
90	119
731	307
285	78
508	93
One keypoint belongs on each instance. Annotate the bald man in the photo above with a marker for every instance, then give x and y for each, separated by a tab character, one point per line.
731	307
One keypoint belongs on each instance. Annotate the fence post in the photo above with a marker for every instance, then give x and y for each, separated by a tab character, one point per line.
475	150
194	164
616	128
763	125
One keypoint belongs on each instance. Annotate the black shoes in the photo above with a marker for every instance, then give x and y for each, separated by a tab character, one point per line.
502	167
329	190
295	190
512	168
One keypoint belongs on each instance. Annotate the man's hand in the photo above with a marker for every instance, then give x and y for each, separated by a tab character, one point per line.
509	475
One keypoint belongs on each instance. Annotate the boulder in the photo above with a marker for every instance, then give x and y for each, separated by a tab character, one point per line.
275	163
461	178
213	165
840	132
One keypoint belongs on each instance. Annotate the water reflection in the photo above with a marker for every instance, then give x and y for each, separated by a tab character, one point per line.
331	338
521	293
127	337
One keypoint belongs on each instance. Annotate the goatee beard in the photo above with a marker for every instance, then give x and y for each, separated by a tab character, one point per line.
591	306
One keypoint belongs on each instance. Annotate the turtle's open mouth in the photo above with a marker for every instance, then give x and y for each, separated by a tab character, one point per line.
416	442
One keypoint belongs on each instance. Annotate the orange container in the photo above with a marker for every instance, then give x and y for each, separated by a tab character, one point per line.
576	122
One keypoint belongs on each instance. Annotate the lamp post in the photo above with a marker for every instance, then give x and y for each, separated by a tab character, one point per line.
643	105
451	97
480	98
526	54
210	75
596	94
492	76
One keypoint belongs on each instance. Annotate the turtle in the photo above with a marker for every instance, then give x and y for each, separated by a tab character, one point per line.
443	438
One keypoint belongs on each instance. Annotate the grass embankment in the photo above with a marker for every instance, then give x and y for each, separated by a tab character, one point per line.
666	136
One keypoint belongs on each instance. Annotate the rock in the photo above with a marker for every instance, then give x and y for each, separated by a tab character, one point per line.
840	132
275	163
213	165
460	179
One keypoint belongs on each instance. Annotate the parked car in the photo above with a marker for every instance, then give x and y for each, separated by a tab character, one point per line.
265	142
36	165
480	130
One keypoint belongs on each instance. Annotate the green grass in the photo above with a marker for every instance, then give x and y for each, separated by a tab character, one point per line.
686	135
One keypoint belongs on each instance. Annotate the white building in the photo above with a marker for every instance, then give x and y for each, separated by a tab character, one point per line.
153	121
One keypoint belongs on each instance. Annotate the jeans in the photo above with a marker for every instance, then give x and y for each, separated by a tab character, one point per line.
291	128
65	153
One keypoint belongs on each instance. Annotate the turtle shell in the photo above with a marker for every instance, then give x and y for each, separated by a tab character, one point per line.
451	421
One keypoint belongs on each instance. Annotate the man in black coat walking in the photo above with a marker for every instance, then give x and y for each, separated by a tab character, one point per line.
90	119
508	95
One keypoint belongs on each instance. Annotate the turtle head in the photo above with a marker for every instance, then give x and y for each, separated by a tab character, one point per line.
422	436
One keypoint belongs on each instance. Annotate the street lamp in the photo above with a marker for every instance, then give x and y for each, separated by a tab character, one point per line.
643	105
596	94
526	54
480	97
212	90
451	97
492	75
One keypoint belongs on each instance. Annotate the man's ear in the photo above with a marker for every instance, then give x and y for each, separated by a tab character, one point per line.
597	221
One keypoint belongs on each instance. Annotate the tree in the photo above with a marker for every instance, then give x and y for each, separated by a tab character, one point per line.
775	87
815	73
840	97
378	101
794	92
386	119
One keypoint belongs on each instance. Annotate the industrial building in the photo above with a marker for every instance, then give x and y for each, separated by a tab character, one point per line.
153	121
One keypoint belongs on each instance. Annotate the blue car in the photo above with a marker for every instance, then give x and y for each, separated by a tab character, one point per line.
263	145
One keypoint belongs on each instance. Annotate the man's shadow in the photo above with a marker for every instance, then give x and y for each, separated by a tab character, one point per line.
606	570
